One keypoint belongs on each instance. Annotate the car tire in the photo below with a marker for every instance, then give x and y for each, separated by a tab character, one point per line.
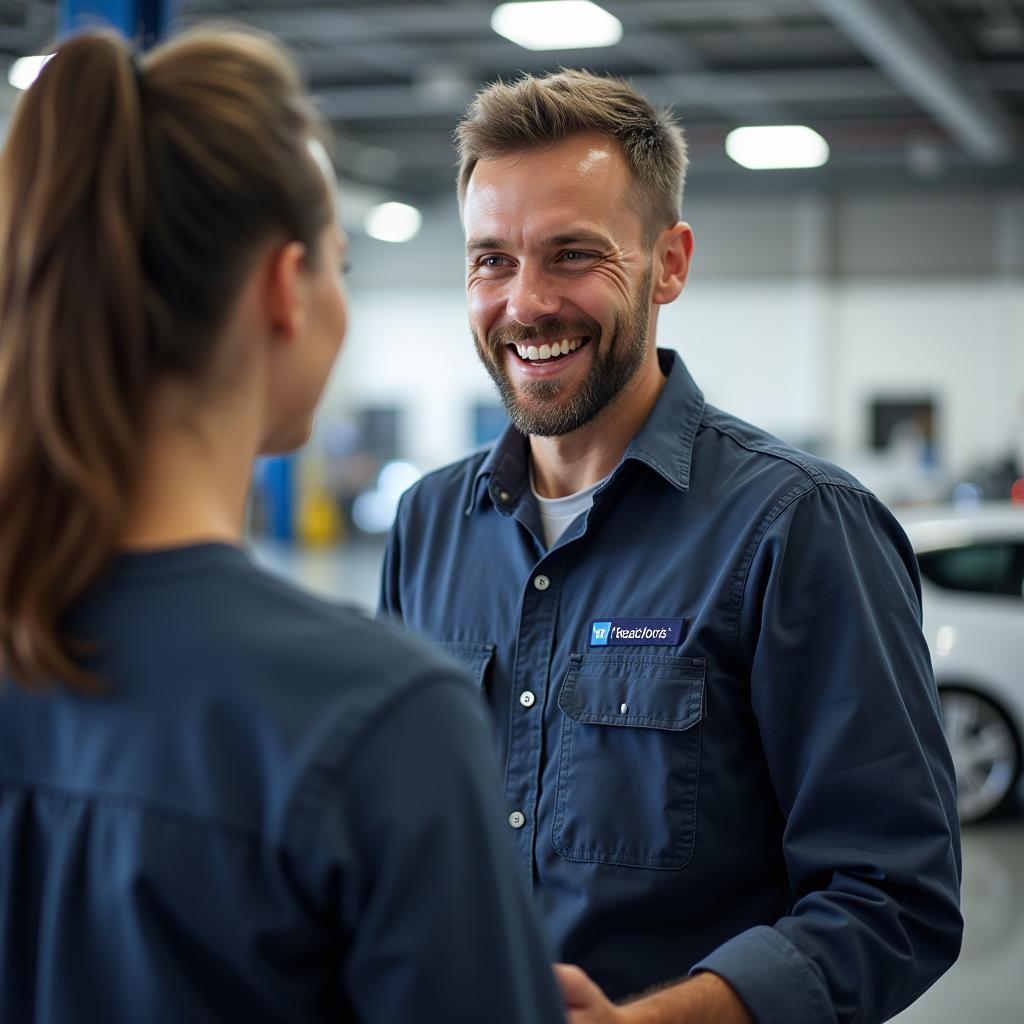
986	752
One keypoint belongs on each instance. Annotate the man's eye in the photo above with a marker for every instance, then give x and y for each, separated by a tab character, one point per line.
492	261
575	256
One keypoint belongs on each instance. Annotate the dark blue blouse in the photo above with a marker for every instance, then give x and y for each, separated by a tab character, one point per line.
277	811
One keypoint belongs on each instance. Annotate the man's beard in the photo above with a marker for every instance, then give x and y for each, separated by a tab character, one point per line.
536	408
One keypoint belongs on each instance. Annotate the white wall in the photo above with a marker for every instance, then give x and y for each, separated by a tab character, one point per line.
759	349
961	342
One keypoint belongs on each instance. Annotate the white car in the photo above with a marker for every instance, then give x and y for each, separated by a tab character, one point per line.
972	578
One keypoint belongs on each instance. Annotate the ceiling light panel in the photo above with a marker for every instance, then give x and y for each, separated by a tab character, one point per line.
556	24
777	147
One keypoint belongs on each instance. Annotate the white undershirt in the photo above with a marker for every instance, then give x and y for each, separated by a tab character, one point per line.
556	514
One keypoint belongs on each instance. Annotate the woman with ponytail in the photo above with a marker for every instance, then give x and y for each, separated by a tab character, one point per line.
220	798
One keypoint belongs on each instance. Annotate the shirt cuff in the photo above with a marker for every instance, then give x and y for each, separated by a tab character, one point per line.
776	981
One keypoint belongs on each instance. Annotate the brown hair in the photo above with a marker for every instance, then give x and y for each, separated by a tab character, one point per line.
534	113
132	197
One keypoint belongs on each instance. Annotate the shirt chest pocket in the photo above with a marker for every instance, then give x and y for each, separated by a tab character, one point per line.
629	759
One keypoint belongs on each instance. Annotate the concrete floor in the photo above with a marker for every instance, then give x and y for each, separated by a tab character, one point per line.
986	985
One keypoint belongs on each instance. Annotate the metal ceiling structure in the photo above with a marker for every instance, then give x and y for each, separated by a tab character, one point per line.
906	92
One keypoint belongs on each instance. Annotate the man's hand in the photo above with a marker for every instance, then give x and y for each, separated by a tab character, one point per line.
584	1002
703	999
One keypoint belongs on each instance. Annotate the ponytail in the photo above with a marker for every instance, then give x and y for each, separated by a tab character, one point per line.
129	204
72	360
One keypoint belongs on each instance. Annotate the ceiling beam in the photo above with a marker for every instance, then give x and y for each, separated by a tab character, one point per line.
697	88
664	54
908	51
331	25
436	18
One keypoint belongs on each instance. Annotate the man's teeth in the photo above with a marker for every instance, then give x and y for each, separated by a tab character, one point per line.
548	351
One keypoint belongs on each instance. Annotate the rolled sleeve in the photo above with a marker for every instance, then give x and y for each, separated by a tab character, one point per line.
777	982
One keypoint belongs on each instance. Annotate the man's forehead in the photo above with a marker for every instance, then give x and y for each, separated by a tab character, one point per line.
580	186
586	154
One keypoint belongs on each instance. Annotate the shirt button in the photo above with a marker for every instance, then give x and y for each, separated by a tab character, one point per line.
541	582
527	699
517	819
503	496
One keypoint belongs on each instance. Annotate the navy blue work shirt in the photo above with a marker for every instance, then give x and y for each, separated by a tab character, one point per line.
276	810
714	709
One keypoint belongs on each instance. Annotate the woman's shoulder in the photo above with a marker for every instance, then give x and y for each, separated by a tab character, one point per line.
214	605
244	681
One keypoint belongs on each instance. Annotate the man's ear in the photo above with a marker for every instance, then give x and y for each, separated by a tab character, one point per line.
672	254
284	290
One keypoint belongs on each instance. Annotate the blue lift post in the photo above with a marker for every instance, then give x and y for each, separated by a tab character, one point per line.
278	491
145	22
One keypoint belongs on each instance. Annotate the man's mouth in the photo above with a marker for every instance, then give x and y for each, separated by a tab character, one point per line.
548	351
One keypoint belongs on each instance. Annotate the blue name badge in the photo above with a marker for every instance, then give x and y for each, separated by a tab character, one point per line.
636	632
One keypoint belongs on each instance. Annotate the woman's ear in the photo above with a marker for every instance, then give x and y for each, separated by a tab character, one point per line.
285	290
673	252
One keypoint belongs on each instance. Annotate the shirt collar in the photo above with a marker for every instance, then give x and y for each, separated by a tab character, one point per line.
506	470
664	442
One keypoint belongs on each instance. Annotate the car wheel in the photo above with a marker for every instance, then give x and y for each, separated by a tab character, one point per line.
986	752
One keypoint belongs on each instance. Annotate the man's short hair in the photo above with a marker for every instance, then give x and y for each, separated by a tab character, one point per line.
537	113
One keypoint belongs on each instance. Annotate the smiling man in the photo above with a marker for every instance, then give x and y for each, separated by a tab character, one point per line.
723	764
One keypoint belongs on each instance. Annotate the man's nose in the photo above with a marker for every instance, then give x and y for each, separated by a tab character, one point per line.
532	296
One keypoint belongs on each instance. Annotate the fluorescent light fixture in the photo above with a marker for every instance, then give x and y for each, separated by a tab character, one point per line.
25	70
776	147
556	24
393	222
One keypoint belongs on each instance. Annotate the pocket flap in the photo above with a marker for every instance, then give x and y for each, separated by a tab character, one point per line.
474	657
642	690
